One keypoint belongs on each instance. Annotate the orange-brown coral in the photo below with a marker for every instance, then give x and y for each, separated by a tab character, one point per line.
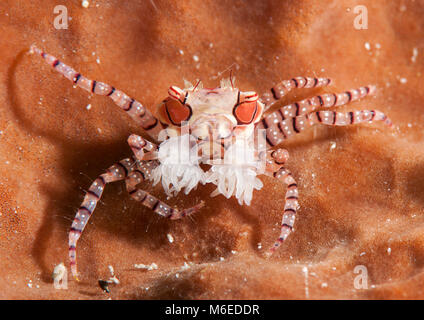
361	188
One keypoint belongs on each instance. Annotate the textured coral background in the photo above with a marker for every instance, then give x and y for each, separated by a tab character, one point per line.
361	188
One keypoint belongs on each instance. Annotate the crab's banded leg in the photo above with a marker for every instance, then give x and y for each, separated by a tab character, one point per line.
281	89
146	199
309	105
283	130
275	159
131	106
118	171
142	148
290	207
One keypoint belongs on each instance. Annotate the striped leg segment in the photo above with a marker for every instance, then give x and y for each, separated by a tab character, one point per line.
146	199
275	159
131	106
281	89
143	149
134	172
276	169
280	131
309	105
118	171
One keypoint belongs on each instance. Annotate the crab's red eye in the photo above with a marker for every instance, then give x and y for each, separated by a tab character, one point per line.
246	108
174	112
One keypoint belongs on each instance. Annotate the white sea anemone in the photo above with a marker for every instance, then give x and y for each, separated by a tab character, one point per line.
179	165
237	181
237	175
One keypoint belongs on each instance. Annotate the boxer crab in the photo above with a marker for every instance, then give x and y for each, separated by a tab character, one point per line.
223	127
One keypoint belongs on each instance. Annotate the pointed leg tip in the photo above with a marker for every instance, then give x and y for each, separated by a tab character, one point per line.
198	206
187	212
76	276
32	49
389	123
269	253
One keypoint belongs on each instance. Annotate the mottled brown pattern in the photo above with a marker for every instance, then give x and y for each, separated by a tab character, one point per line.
361	189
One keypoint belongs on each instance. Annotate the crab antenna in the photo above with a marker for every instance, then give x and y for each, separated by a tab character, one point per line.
198	82
231	78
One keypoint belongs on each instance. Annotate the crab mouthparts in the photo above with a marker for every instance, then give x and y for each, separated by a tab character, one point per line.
212	127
